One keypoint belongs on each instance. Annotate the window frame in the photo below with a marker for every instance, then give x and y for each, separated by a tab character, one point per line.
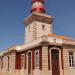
36	63
29	69
8	59
71	59
22	60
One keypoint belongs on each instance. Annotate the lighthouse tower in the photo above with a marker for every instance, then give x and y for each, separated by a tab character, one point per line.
37	23
42	53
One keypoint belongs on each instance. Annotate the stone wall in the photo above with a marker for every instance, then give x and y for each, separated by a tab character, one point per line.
67	69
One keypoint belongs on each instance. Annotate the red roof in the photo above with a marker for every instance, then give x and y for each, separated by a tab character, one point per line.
61	37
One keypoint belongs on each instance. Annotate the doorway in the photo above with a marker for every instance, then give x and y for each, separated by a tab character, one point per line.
55	62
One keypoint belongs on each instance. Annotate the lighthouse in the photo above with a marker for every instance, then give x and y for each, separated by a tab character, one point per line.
42	53
37	23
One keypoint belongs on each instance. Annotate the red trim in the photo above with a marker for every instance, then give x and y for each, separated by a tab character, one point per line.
62	58
39	9
37	0
48	60
18	61
25	61
40	58
29	62
32	59
2	62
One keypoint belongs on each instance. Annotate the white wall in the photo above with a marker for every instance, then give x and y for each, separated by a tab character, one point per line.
46	31
36	30
29	34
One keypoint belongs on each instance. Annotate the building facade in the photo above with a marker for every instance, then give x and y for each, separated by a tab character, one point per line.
43	52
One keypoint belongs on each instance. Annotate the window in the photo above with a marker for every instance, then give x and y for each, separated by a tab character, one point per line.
43	27
36	58
29	28
29	62
8	62
71	59
55	54
54	40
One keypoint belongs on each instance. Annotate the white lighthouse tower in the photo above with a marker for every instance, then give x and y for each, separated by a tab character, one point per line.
37	23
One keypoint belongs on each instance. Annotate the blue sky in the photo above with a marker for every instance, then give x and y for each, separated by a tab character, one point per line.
13	13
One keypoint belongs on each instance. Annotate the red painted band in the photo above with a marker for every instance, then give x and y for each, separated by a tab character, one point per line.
38	10
37	0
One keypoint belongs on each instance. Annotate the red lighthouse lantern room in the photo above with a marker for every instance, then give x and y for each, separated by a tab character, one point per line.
38	6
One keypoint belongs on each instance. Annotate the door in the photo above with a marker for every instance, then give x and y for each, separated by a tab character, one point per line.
55	62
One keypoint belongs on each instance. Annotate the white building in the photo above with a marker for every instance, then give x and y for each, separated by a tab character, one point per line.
43	53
